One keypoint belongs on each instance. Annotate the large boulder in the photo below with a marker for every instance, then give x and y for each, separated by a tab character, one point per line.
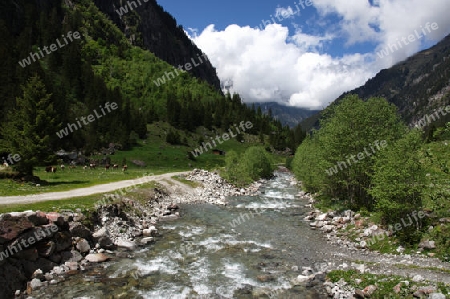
106	243
63	240
56	218
79	230
12	226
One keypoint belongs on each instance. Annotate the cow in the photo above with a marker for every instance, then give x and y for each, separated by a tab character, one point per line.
63	167
115	166
124	168
107	166
92	165
51	169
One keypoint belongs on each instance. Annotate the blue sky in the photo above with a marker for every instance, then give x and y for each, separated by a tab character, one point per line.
314	52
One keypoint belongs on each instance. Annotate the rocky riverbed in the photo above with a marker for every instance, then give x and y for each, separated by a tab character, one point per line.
75	242
32	258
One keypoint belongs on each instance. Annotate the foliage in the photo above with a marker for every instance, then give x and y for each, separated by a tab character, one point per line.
254	164
308	164
326	161
29	130
173	137
399	179
258	163
234	170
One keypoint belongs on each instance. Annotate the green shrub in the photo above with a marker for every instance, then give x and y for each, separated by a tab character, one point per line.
254	164
258	163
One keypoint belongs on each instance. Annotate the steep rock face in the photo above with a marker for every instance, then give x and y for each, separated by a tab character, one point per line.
147	25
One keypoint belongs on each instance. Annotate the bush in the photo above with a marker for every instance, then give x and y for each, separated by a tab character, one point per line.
173	138
234	170
256	163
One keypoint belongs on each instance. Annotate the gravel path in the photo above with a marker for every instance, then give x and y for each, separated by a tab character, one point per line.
162	178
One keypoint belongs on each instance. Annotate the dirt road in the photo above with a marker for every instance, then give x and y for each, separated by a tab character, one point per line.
164	179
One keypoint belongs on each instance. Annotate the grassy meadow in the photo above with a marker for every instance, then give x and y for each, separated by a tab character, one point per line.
154	152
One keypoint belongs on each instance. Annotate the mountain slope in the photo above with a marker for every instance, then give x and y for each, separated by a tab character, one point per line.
417	86
287	115
148	26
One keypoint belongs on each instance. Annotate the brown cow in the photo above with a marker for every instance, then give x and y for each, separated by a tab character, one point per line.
115	166
107	166
50	169
124	168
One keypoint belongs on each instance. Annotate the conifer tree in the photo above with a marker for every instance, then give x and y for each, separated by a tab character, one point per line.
30	129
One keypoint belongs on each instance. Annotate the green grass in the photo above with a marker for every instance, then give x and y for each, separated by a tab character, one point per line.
384	283
159	157
84	203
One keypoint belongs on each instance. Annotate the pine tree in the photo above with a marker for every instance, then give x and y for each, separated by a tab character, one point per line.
30	129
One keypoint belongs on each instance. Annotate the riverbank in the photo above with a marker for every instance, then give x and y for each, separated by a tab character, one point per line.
77	240
120	229
374	274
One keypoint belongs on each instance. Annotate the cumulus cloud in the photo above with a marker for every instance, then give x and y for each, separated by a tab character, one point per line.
268	64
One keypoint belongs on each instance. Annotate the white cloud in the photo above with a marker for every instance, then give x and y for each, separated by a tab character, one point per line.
285	12
268	64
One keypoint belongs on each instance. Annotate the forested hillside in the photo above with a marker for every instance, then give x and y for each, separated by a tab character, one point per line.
87	73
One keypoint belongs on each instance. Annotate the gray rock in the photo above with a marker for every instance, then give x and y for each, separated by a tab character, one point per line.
147	240
97	257
73	266
129	245
328	228
103	232
83	246
427	244
35	284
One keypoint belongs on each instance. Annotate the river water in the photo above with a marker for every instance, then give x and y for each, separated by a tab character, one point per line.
251	248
